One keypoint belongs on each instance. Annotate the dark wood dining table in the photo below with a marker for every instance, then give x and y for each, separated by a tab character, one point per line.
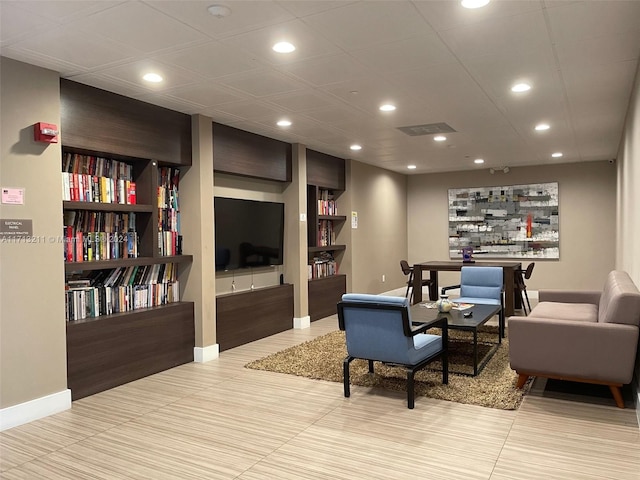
510	270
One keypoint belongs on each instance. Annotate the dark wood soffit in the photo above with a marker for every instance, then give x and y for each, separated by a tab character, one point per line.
106	122
248	154
325	170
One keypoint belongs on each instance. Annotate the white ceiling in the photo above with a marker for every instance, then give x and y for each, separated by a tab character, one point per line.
438	62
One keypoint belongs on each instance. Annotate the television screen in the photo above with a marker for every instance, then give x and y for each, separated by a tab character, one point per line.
249	233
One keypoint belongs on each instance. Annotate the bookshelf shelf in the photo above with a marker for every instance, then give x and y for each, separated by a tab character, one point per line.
124	262
328	248
106	207
335	218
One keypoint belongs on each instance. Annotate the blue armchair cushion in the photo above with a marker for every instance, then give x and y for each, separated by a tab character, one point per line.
481	283
377	333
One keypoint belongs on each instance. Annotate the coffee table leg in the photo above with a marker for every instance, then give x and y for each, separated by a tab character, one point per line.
475	351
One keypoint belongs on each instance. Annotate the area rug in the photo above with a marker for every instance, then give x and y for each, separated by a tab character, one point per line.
322	357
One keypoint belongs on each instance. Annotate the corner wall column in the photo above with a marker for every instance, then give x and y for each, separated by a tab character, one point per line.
196	204
295	236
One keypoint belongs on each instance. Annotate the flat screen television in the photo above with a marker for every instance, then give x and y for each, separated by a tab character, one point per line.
248	233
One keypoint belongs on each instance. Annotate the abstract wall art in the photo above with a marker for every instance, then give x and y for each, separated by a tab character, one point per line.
513	221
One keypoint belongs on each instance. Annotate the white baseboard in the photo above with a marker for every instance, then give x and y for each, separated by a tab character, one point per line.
300	323
34	409
206	354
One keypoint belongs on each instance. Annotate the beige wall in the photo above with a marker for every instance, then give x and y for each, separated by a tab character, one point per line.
32	326
587	197
628	257
380	241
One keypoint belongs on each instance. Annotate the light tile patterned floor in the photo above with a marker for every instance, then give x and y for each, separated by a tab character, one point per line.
221	421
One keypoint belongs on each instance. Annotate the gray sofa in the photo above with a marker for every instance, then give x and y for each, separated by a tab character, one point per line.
583	336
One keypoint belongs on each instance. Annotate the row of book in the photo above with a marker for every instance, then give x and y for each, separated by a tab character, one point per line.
326	233
91	302
326	203
91	236
82	246
121	289
169	243
96	166
323	265
77	187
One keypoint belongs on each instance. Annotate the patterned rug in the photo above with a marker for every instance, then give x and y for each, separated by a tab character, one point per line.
322	357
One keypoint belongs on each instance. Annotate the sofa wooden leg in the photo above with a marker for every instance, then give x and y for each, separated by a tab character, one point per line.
617	395
522	379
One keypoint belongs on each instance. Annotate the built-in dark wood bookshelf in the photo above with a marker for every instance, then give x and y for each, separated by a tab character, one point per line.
325	183
107	350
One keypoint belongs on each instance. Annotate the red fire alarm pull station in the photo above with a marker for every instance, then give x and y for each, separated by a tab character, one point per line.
46	132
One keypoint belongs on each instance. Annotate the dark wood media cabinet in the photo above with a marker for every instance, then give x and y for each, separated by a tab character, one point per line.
324	294
111	350
243	317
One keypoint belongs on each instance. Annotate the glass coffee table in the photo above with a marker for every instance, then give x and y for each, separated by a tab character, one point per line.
480	315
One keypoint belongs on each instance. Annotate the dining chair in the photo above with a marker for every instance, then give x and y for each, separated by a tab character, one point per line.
379	328
521	276
408	270
482	285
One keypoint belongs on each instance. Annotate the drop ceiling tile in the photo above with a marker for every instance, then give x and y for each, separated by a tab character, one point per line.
416	52
447	15
249	110
61	11
338	115
16	23
205	94
169	102
571	22
308	43
358	26
309	7
75	48
327	70
598	51
132	73
522	31
109	84
212	59
140	27
262	83
246	15
43	61
299	101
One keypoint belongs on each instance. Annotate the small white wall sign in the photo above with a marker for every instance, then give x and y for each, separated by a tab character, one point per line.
354	220
12	196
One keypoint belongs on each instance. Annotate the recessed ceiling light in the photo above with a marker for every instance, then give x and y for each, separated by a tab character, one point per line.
284	123
387	107
152	77
474	3
556	154
219	11
283	47
439	138
355	147
521	87
542	126
411	167
478	161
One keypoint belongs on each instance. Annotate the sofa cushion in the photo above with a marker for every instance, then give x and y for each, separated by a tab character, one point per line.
585	312
620	300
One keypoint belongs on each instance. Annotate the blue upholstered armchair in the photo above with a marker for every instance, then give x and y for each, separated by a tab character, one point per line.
378	328
482	285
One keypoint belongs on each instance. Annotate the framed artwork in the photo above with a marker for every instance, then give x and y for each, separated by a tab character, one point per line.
513	221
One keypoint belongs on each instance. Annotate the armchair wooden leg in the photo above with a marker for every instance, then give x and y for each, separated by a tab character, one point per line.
617	395
370	366
522	379
445	368
410	389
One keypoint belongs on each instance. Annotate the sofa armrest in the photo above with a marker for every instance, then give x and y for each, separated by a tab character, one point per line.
570	296
572	349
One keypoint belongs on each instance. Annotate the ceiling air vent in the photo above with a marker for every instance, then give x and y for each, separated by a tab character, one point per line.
428	129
